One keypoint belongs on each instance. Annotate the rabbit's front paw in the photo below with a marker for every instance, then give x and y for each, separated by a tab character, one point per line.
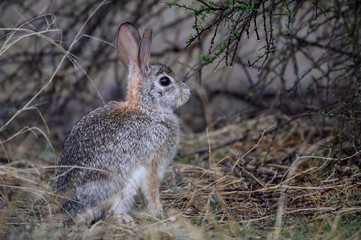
156	211
121	219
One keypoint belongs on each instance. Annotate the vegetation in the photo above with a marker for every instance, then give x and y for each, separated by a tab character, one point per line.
271	146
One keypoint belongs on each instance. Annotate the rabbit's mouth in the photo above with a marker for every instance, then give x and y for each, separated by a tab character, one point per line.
184	97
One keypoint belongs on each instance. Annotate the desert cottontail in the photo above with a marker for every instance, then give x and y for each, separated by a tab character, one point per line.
121	150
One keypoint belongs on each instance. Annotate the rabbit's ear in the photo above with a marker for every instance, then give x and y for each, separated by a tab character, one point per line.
144	50
128	40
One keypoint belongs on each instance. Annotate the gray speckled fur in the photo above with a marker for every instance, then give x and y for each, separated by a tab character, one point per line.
118	149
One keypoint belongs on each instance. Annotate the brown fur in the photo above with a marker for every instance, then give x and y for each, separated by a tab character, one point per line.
133	89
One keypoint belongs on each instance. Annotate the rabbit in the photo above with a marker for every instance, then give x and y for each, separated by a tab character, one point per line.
121	150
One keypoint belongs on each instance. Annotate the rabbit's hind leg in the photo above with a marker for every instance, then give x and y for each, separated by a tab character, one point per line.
88	216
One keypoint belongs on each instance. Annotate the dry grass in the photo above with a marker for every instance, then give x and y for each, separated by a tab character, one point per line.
282	186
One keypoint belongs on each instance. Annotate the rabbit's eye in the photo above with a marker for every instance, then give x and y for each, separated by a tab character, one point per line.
164	81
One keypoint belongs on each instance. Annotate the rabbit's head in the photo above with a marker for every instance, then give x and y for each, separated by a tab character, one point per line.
150	86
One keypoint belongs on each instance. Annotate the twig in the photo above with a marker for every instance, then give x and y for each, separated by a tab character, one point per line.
255	146
214	147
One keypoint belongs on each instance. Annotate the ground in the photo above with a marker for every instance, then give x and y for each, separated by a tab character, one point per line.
250	179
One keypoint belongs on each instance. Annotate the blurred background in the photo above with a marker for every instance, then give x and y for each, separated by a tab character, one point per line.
289	59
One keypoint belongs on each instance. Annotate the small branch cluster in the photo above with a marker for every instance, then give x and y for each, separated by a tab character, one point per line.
237	18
